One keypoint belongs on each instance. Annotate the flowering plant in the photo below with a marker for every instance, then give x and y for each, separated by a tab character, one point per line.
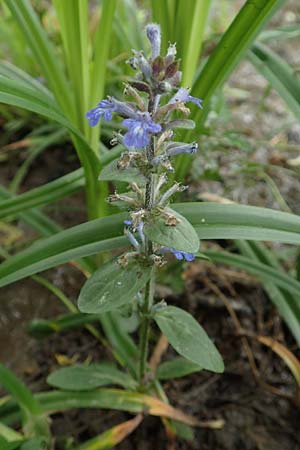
156	109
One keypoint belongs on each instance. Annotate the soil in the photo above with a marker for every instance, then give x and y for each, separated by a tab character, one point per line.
256	396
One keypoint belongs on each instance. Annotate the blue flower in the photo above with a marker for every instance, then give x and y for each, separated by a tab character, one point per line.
139	130
179	254
183	95
104	109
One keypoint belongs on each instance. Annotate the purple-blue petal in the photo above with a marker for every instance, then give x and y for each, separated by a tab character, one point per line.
93	116
197	101
182	95
178	254
104	109
136	139
189	257
139	130
153	127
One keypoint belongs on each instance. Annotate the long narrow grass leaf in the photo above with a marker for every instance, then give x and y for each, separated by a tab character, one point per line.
42	50
211	221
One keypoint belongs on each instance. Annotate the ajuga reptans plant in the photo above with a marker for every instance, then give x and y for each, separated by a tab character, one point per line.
156	106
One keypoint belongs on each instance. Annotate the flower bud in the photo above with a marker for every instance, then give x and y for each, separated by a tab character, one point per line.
154	36
165	87
171	53
185	148
143	64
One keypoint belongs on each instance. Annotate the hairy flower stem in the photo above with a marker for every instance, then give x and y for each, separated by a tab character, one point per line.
149	289
145	327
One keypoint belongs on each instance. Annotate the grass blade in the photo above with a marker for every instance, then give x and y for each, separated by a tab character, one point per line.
211	221
122	400
36	219
261	271
279	74
34	422
233	44
285	302
16	93
229	51
43	52
193	40
99	64
113	436
73	21
43	195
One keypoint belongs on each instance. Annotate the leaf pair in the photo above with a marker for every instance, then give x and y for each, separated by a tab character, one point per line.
113	286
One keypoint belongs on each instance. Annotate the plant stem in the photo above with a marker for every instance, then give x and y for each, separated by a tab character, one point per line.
149	288
145	326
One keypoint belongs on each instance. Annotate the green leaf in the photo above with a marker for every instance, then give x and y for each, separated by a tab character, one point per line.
44	194
176	368
87	378
8	434
280	279
280	75
42	50
101	49
82	240
37	443
112	286
11	71
188	338
4	445
194	33
216	221
226	55
285	302
281	33
40	328
119	399
111	437
73	25
182	236
120	340
16	93
129	175
36	219
211	221
234	42
34	422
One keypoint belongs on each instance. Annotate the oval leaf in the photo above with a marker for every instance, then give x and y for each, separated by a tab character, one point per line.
182	236
112	286
87	378
188	338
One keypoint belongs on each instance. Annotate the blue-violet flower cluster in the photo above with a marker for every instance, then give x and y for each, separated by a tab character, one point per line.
149	128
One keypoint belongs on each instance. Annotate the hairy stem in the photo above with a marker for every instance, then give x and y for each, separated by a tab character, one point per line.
149	289
145	326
